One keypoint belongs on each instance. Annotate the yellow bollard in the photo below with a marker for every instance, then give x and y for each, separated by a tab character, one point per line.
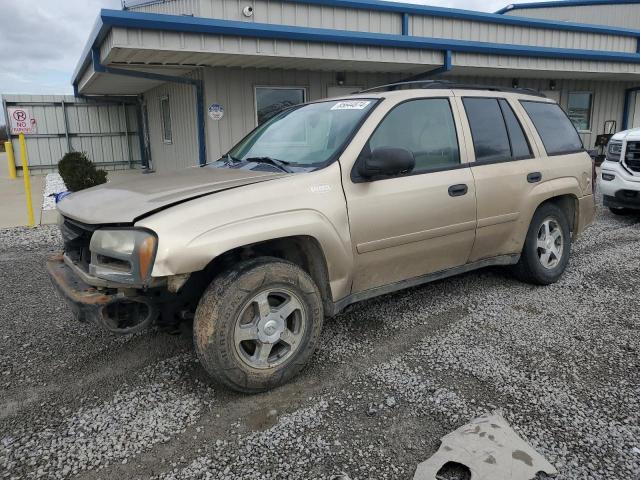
11	160
27	181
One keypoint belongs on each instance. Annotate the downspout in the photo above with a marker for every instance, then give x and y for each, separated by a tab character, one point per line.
98	67
141	138
627	101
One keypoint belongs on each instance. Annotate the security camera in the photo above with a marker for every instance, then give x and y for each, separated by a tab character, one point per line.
247	11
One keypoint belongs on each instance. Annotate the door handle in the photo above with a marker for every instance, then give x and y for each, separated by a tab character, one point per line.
534	177
458	190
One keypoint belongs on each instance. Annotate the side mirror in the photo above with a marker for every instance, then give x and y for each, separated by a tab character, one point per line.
386	162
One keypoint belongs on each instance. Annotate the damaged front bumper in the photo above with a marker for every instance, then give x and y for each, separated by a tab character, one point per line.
85	301
109	308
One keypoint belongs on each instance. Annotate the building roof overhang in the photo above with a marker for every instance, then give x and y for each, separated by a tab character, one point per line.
110	19
564	3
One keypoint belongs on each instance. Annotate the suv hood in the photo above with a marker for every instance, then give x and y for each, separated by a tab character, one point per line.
630	135
127	199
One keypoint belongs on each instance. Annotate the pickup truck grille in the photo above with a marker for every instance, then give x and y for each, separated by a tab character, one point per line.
632	156
76	237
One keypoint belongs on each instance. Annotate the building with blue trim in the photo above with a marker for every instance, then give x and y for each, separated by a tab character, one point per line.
206	72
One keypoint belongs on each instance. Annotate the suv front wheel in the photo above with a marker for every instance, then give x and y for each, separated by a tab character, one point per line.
257	324
547	247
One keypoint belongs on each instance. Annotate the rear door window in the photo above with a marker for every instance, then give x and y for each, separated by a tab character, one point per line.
558	134
520	148
488	129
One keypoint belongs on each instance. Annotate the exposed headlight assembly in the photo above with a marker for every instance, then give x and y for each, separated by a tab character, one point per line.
123	255
614	151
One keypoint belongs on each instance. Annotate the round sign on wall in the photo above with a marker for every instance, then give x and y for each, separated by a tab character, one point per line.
216	111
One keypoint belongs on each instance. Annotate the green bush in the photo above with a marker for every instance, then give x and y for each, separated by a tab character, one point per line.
78	172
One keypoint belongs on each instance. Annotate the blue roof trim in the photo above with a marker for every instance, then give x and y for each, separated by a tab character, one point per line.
564	3
174	23
397	7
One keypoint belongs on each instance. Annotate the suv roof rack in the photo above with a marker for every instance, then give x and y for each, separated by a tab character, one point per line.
452	85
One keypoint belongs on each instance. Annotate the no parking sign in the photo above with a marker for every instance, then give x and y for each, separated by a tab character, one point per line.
21	121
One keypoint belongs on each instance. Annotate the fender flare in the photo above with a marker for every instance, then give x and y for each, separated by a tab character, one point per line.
198	252
558	187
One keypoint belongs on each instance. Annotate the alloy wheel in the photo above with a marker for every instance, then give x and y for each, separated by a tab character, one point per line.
550	243
270	328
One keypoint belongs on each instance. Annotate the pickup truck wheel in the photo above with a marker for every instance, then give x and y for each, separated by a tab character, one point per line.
620	211
547	247
257	324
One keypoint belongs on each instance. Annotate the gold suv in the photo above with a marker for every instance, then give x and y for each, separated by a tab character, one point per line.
323	205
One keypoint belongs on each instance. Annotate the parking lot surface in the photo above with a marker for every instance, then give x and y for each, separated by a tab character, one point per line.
391	376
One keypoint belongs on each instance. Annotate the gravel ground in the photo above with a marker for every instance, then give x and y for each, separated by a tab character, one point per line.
390	378
53	184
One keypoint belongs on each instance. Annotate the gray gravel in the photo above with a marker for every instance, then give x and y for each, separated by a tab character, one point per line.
391	376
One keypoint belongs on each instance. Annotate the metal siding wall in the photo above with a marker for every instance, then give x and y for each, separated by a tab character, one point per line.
183	152
623	16
106	44
284	13
88	74
548	67
424	26
179	48
178	7
318	16
134	45
93	127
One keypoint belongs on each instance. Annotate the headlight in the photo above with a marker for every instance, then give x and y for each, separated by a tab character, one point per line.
614	151
122	255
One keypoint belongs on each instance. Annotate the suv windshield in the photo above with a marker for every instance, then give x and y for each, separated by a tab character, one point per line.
304	136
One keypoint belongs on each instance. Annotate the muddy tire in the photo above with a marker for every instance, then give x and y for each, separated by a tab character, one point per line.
257	324
547	247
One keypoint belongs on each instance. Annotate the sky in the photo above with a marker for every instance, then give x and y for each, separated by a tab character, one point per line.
41	40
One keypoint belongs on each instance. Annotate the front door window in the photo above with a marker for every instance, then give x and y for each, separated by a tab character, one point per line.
426	128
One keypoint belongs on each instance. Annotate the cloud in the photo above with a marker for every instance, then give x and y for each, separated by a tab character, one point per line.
41	40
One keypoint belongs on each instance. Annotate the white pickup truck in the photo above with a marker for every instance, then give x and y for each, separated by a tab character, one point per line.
619	179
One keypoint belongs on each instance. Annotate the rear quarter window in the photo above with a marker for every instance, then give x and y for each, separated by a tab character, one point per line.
554	127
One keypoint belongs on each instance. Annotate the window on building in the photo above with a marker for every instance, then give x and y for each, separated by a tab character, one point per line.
426	128
579	109
557	132
272	100
165	116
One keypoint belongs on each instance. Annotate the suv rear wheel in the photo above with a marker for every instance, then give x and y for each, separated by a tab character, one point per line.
547	247
257	325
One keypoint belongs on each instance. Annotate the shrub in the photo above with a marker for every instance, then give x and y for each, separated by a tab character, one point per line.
78	172
3	137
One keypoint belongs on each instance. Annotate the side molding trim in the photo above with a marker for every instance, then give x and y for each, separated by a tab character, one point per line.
343	303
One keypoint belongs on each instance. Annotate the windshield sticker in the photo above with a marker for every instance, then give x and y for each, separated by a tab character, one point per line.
351	105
